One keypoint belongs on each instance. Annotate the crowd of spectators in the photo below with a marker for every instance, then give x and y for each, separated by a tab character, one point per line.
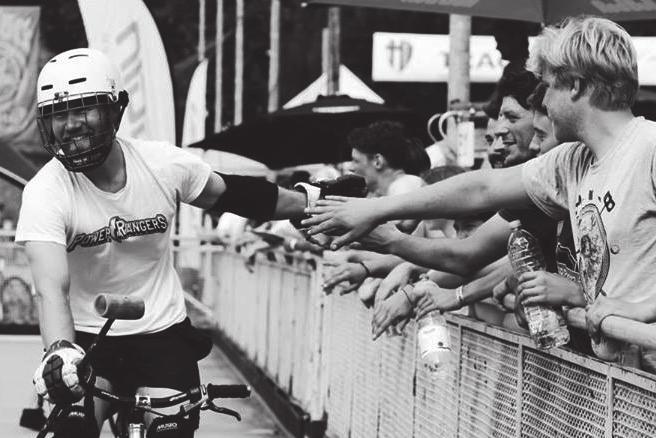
566	157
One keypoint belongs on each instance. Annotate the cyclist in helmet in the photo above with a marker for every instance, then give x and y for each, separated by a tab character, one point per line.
97	219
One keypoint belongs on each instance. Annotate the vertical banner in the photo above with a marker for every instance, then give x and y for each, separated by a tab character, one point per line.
19	57
126	32
193	127
190	218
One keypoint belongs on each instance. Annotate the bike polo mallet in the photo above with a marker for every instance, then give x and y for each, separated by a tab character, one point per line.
108	306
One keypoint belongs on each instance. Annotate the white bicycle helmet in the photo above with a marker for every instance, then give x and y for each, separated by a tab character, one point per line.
78	79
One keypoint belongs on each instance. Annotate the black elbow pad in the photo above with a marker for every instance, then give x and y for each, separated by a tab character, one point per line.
247	196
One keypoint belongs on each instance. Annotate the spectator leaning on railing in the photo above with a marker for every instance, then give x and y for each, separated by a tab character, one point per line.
515	128
604	177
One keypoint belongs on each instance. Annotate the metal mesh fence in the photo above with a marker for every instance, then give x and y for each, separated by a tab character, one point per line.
488	386
634	411
319	349
17	306
561	398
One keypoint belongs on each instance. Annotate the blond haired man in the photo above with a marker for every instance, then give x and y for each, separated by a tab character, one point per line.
605	178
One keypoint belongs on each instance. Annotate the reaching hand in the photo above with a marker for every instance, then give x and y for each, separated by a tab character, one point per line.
351	217
351	273
380	238
57	377
391	311
548	289
395	280
430	296
367	290
505	287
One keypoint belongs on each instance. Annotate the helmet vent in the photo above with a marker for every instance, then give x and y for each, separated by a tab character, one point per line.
46	87
78	55
77	81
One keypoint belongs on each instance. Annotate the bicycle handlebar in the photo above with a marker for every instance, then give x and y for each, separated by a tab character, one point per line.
228	391
213	391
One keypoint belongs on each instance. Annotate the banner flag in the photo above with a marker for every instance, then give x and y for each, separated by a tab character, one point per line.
128	35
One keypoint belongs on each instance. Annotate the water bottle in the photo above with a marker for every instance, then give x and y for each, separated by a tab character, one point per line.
546	326
434	344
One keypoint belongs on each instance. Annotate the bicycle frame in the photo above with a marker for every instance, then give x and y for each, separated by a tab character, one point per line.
198	398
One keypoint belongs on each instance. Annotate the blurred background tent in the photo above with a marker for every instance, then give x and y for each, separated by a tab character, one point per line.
311	133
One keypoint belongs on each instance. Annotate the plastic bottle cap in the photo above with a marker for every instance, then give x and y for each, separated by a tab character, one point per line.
515	224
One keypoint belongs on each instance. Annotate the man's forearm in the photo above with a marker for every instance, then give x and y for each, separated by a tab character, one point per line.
290	204
381	266
438	254
461	195
481	287
55	317
643	311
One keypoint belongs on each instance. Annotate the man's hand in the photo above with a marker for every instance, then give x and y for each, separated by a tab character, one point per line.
392	310
505	287
57	377
339	215
395	280
346	185
380	238
367	290
430	296
541	288
352	273
599	310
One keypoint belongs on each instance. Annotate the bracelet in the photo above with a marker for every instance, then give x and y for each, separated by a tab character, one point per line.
366	270
459	298
406	294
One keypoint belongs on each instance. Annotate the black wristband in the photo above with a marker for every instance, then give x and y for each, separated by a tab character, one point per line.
366	270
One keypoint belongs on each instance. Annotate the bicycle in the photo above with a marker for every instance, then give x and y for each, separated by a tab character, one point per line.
130	422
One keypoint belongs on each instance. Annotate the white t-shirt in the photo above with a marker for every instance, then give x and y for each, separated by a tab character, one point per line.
117	243
612	207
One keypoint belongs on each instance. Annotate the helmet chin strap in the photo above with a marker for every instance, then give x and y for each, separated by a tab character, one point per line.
123	100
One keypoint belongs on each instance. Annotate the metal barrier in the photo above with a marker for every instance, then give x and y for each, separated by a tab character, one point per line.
16	298
318	349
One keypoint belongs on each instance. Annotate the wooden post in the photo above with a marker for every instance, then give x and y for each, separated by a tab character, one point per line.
218	82
239	60
458	85
333	51
459	34
274	57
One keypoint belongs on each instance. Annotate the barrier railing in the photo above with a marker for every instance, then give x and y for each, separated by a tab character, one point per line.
318	349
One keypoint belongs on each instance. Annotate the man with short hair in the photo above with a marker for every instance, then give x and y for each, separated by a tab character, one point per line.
379	154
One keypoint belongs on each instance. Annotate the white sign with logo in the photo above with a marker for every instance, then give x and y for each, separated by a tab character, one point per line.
410	57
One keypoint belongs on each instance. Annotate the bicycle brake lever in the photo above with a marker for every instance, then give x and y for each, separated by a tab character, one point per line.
221	410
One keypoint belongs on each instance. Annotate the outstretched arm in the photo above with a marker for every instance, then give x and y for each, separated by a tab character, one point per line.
250	197
461	195
458	256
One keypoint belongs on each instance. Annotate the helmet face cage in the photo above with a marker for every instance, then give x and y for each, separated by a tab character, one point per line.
83	152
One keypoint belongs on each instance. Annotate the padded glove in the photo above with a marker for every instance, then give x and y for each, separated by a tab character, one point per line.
57	378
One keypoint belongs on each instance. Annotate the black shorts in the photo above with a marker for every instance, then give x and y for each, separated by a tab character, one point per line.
166	359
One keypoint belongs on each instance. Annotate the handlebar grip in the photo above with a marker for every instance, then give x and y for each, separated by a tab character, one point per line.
119	306
228	391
